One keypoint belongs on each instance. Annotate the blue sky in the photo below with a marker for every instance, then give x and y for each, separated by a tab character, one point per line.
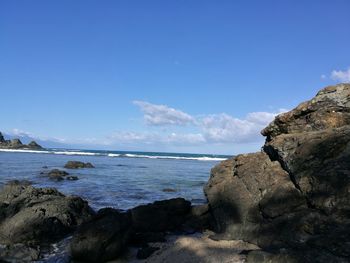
188	76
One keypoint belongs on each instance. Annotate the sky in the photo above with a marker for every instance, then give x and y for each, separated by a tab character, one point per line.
175	76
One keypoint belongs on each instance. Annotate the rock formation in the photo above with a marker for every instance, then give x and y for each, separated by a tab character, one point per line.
17	144
77	165
109	233
37	216
294	195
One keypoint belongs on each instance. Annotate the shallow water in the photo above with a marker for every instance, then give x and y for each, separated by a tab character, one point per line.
122	181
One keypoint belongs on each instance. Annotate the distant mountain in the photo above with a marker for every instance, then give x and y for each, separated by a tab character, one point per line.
44	143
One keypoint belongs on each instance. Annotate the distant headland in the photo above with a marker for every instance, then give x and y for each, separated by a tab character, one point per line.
17	144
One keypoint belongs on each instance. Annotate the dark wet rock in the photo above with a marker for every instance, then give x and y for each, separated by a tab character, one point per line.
104	238
142	238
45	167
292	199
38	215
19	182
198	219
169	190
77	165
165	215
18	253
57	175
145	252
17	144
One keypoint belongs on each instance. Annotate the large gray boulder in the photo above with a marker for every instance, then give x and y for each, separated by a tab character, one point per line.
38	215
295	194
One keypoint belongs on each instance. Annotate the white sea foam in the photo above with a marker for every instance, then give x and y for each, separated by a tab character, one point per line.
113	155
23	151
76	153
128	155
202	158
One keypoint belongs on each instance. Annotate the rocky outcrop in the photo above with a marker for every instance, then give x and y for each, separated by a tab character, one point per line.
35	216
160	216
104	238
77	165
17	144
110	232
59	175
295	193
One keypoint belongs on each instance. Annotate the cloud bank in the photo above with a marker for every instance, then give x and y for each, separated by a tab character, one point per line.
213	128
339	75
159	115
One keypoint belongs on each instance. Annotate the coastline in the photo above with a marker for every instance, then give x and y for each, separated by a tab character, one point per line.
284	208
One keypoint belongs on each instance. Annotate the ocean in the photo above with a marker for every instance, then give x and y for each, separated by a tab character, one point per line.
120	180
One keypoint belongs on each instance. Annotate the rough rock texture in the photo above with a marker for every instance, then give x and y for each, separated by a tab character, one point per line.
329	109
295	194
108	234
38	215
160	216
57	175
18	253
77	165
104	238
17	144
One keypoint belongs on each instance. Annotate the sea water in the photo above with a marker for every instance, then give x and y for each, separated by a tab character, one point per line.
120	180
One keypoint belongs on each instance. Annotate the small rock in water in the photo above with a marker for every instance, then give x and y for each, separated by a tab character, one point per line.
169	190
57	175
77	165
19	182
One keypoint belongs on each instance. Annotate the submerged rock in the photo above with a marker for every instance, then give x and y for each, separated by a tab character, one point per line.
57	175
169	190
77	165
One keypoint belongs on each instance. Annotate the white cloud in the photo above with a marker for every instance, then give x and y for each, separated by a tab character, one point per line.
18	132
188	138
214	128
159	115
223	128
155	138
339	75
